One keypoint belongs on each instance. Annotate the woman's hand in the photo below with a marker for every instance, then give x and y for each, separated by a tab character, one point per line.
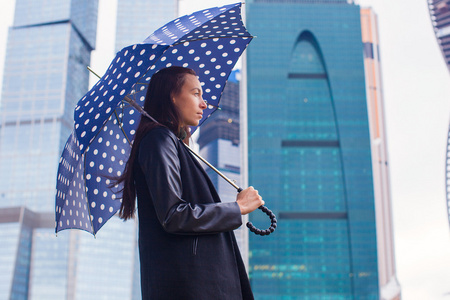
249	200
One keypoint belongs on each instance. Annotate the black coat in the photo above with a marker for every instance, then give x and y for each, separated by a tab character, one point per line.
186	242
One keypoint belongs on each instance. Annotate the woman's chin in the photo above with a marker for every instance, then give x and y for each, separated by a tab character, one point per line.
195	123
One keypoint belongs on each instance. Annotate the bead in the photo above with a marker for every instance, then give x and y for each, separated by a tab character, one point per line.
272	227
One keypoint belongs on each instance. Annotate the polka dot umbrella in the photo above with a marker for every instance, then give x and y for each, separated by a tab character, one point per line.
209	41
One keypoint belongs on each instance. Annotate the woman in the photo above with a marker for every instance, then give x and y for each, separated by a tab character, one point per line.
186	241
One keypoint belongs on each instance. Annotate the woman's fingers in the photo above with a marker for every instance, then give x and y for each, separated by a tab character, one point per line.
249	200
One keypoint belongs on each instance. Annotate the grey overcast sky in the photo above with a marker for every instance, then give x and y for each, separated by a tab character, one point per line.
417	103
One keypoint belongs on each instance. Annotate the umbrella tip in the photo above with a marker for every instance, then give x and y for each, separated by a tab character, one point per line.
92	71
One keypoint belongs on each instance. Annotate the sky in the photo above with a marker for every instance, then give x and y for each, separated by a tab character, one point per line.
417	108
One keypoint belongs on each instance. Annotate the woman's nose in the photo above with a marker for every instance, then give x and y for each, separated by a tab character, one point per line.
203	104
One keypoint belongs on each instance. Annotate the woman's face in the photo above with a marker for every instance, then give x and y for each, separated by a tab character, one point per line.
189	101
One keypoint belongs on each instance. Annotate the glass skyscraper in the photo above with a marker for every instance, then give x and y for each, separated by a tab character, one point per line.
49	47
309	151
47	39
137	19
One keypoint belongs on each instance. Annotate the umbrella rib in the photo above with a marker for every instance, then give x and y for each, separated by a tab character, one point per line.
121	127
118	121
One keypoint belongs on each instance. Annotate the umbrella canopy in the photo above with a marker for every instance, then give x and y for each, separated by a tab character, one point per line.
209	41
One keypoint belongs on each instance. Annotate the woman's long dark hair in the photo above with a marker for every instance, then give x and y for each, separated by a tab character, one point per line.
163	86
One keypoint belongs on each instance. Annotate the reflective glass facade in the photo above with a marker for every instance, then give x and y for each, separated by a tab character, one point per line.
10	233
45	74
50	265
19	255
309	152
137	19
39	94
105	265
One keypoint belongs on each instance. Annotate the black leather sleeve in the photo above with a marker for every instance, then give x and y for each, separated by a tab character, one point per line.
158	159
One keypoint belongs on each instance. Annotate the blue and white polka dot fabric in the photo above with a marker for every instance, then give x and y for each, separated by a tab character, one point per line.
209	41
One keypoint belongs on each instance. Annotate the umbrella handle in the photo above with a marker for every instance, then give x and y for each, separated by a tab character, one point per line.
273	224
273	221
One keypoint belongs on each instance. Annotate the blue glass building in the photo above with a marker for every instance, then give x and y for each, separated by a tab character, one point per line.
49	47
137	19
309	151
45	74
47	39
